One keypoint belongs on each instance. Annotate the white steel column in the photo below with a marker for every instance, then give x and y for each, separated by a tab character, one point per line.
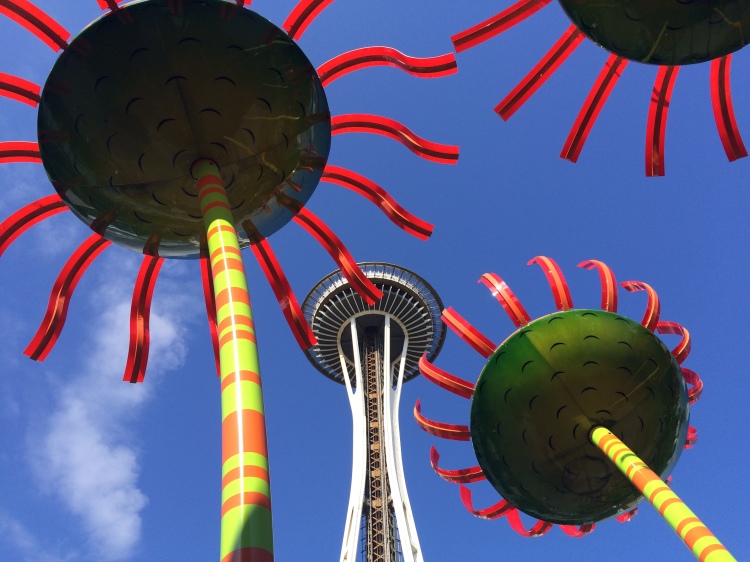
359	450
407	530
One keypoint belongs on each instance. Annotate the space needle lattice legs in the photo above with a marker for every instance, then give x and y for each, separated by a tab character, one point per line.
378	489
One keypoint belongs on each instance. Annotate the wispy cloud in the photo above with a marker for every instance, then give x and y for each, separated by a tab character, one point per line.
15	535
86	454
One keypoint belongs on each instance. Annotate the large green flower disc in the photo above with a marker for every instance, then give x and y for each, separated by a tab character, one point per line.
145	91
547	385
666	32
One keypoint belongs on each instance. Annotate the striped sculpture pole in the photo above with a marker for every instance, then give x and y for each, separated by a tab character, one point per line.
246	530
705	546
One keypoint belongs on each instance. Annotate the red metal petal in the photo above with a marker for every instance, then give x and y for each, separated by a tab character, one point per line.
335	248
59	299
683	348
444	379
596	99
459	476
537	530
303	15
608	281
492	512
497	24
26	217
19	89
140	312
653	306
468	333
36	21
540	73
627	516
577	532
506	298
657	119
450	431
556	280
362	123
19	151
284	294
692	437
430	67
721	99
208	295
395	212
695	385
109	4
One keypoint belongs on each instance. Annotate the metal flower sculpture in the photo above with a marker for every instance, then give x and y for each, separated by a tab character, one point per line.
557	399
191	130
666	33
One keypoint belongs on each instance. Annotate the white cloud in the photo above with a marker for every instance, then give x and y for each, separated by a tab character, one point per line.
25	544
89	457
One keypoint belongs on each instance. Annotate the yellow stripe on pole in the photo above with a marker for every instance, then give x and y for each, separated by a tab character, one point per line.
246	529
704	545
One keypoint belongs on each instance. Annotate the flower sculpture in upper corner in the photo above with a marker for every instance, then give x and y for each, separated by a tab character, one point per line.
546	391
667	33
192	129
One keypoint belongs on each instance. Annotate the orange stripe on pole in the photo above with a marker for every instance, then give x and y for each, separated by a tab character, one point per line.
671	501
253	432
215	205
713	548
248	498
236	334
243	376
230	295
246	471
249	554
210	179
685	522
239	320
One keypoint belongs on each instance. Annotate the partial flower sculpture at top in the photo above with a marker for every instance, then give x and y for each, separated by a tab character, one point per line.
558	395
667	33
192	129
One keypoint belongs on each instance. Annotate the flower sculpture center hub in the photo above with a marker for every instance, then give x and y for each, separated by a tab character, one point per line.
666	32
547	385
147	90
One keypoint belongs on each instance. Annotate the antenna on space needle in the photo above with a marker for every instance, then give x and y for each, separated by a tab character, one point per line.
373	350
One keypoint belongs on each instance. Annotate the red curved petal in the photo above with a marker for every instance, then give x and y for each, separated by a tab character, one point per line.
429	67
140	313
577	532
109	4
19	151
468	333
653	306
335	248
506	298
444	379
36	21
492	512
721	99
683	348
395	212
450	431
19	89
657	119
627	516
692	437
459	476
608	281
362	123
540	73
556	280
596	99
537	530
303	15
695	385
59	299
497	24
208	295
26	217
284	294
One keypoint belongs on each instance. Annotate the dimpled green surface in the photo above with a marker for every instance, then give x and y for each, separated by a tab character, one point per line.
547	385
667	32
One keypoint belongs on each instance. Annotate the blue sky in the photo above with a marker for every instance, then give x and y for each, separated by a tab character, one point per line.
92	468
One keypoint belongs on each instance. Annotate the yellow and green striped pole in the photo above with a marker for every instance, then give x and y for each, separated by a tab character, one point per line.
705	546
246	530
